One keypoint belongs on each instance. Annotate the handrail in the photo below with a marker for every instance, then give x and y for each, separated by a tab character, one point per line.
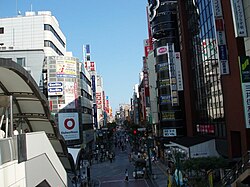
240	167
8	150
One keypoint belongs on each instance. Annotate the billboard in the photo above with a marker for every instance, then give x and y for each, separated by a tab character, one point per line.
69	125
70	95
66	68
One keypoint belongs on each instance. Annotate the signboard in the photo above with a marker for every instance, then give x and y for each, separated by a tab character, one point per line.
66	68
69	125
245	84
161	50
69	95
238	18
220	37
178	71
169	132
55	88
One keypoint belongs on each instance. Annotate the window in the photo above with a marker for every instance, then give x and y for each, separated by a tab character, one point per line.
1	30
21	61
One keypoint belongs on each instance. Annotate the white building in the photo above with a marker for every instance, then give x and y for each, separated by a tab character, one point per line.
28	39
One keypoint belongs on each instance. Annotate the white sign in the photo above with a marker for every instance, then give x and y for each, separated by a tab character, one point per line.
238	18
217	8
246	97
161	50
69	125
169	132
178	71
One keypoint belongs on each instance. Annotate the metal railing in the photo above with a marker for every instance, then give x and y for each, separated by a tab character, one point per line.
240	167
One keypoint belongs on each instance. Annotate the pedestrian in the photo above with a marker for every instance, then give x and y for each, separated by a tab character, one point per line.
126	175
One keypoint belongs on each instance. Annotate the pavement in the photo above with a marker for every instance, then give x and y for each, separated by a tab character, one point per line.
159	175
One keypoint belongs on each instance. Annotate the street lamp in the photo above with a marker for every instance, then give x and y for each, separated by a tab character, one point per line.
176	154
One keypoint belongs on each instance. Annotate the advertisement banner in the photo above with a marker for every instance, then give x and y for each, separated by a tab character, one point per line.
69	95
66	68
245	84
69	125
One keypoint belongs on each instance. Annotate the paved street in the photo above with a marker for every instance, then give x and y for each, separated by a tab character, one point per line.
113	174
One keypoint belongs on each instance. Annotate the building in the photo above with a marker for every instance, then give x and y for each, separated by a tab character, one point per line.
211	45
70	96
28	39
162	16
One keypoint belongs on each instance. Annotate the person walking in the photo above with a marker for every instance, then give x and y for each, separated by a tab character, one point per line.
126	175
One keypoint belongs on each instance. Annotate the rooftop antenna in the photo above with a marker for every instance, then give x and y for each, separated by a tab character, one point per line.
31	7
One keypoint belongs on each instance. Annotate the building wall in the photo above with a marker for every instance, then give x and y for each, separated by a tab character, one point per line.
24	37
202	79
152	88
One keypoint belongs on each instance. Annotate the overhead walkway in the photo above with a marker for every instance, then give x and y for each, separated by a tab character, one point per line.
24	107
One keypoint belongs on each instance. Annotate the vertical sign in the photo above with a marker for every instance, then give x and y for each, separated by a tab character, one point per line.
245	82
220	36
238	18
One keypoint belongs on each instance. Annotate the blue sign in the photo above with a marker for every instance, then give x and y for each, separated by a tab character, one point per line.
55	84
222	52
55	89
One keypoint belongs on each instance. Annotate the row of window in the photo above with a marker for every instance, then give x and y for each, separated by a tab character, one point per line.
48	43
206	79
86	94
50	28
83	77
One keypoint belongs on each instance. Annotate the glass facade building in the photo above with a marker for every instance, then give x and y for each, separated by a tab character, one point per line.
205	69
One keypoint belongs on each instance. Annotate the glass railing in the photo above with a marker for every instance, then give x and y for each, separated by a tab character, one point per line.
8	150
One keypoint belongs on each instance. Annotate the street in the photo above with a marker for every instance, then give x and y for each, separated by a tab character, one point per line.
108	174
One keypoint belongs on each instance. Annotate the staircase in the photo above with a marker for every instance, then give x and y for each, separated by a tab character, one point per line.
239	174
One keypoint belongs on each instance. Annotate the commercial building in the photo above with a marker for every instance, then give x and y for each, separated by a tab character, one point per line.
163	33
70	96
28	39
215	96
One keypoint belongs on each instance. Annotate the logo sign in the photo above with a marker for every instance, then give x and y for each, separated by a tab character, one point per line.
69	125
55	88
161	50
55	84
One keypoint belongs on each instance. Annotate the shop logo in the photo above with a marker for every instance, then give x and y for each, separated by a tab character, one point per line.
152	7
69	123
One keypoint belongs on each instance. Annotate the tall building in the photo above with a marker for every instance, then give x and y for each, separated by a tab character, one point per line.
162	15
28	39
70	97
214	46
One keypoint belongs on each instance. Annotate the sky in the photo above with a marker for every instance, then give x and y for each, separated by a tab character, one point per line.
114	29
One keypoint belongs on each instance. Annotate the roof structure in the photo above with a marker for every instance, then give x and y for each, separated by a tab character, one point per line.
30	107
191	141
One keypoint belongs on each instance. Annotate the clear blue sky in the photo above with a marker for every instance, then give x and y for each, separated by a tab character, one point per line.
115	30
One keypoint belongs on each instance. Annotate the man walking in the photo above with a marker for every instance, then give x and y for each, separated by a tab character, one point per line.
126	175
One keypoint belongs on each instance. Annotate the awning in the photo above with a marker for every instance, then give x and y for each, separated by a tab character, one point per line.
30	107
